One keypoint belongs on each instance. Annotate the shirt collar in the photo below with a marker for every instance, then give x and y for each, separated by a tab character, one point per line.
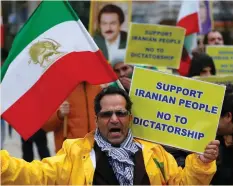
116	42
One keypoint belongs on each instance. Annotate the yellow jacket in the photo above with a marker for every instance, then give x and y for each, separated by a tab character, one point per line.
75	163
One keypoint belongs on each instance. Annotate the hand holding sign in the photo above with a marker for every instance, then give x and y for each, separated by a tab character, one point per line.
211	152
126	82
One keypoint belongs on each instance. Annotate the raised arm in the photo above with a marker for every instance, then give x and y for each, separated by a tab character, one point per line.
199	169
49	171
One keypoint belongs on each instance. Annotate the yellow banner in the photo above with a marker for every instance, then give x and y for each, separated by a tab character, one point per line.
155	45
227	79
175	111
223	58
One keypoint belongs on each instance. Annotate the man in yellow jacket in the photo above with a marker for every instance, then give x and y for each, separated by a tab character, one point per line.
110	155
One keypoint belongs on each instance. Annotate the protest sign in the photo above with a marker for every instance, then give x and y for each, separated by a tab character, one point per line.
220	79
154	45
175	111
223	58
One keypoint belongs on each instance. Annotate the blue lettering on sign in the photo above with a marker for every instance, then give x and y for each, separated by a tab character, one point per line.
198	106
155	96
179	90
168	128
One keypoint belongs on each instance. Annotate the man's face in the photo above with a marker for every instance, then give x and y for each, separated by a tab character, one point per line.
110	26
225	126
123	70
215	38
113	127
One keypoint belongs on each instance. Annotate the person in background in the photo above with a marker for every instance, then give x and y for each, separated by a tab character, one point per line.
41	142
224	174
213	37
78	109
124	71
202	65
110	155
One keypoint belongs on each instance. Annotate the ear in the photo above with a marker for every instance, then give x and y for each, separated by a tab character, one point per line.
130	117
130	120
228	117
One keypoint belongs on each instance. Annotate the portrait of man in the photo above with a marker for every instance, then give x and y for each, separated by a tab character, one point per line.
109	34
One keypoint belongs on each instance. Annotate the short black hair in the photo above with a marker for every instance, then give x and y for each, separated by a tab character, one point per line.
228	101
205	40
111	90
110	8
199	62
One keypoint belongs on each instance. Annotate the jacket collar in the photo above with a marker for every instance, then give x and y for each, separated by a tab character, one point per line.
147	149
87	145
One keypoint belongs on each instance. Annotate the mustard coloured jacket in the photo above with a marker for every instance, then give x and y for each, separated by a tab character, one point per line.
75	164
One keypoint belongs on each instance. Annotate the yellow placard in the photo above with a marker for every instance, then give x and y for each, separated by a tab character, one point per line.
175	111
154	45
220	79
223	58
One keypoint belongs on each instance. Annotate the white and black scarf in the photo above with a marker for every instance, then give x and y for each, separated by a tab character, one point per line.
120	158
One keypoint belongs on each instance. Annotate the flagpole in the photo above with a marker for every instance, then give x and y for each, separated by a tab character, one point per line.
65	127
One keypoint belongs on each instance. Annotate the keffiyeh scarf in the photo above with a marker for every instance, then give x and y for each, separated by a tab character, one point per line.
120	158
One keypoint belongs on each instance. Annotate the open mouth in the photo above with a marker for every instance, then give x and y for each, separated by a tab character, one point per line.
115	132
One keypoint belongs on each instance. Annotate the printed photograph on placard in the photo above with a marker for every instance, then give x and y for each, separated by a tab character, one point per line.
109	24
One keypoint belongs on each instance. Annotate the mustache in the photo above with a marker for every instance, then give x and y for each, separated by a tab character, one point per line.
109	32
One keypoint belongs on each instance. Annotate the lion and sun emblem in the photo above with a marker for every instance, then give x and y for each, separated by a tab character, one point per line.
44	52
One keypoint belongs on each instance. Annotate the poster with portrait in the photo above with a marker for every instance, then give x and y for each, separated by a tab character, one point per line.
109	24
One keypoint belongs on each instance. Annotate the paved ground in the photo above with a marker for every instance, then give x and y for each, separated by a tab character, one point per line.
13	145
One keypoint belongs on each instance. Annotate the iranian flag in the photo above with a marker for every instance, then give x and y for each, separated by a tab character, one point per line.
188	18
50	56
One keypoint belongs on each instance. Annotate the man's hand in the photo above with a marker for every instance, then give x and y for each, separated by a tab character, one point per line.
126	82
211	152
63	110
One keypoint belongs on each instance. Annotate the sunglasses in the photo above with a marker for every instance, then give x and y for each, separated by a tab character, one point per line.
108	114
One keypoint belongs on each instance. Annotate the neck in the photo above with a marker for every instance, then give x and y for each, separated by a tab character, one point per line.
112	41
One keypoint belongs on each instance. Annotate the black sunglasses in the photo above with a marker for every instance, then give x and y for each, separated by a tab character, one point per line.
108	114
